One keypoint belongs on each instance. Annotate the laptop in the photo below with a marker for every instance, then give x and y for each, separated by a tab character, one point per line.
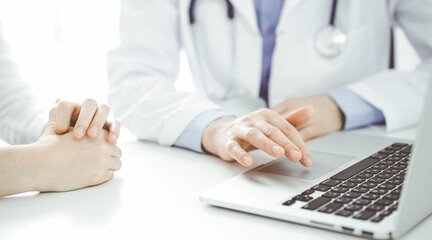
369	186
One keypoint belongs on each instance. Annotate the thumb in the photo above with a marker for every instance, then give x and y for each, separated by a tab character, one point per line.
300	116
50	128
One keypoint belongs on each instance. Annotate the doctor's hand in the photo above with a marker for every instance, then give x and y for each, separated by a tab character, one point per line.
231	138
87	119
63	163
327	118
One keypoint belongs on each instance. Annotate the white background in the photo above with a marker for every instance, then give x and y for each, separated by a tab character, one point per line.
61	46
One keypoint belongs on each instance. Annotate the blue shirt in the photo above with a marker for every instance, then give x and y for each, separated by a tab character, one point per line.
357	111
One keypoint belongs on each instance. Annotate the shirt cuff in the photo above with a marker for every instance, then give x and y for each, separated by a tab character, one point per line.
358	112
191	137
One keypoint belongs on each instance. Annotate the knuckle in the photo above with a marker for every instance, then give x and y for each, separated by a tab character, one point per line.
247	118
290	130
97	177
119	152
230	146
251	133
270	130
120	163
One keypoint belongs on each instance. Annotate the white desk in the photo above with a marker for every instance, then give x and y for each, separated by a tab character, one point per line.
154	196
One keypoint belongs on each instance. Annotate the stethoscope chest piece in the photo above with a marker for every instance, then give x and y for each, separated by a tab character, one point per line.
330	41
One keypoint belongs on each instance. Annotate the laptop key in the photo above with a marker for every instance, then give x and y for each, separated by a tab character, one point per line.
380	166
377	219
352	195
289	202
383	202
375	208
387	151
308	192
385	175
365	215
400	145
321	188
354	169
370	196
379	191
339	189
360	190
392	197
378	156
393	207
348	184
395	181
331	194
343	200
364	175
372	171
386	213
330	208
392	171
305	198
353	207
316	203
356	180
387	186
376	180
368	185
344	213
362	202
330	182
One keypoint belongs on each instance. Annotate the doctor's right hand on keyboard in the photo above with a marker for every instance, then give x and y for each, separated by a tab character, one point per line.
231	138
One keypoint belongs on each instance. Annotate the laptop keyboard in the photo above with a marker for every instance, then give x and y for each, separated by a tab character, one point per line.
368	190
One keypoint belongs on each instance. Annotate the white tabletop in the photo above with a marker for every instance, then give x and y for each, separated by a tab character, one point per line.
155	196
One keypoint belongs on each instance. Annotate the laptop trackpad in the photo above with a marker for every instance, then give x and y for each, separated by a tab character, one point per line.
323	163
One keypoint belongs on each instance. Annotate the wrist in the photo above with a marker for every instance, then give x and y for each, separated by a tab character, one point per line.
17	169
212	134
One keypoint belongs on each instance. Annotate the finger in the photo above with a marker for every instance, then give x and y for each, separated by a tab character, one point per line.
64	116
115	164
291	132
276	135
114	131
116	152
98	121
259	140
300	116
88	111
109	174
239	154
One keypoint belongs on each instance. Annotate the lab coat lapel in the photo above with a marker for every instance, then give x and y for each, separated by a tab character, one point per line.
288	7
246	8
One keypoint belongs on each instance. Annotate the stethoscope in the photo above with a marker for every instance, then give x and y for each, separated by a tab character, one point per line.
330	41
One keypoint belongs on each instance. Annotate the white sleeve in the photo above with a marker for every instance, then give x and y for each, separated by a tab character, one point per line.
400	95
20	120
142	72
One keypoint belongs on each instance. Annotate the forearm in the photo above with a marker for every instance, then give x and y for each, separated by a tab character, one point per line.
15	169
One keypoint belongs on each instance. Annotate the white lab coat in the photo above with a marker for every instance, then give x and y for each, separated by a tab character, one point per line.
21	121
142	71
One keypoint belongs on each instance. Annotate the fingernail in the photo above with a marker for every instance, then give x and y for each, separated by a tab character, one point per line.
277	150
295	155
307	159
247	161
93	131
113	137
79	132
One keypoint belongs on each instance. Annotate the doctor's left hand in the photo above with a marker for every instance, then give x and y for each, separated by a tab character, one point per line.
326	119
87	118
